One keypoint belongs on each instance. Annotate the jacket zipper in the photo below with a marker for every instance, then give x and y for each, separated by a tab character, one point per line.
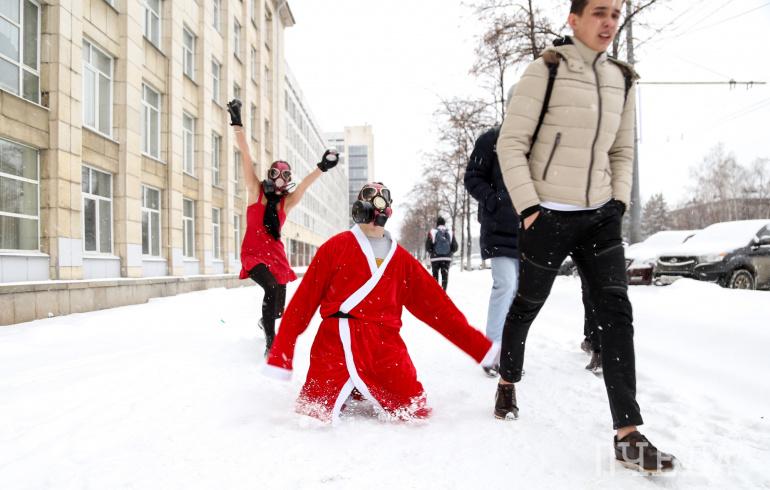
550	158
598	128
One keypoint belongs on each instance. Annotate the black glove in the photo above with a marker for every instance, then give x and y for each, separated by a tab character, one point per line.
329	160
268	187
234	108
619	206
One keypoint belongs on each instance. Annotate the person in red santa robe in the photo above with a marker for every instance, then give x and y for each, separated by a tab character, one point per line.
361	279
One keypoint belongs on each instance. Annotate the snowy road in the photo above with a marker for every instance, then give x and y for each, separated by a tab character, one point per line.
168	395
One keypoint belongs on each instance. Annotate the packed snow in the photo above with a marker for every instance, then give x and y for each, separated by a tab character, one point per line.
169	395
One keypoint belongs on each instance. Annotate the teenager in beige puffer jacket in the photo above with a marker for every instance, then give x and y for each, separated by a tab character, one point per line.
584	151
571	192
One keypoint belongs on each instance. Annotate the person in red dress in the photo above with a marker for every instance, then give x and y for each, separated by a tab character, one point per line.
362	279
263	257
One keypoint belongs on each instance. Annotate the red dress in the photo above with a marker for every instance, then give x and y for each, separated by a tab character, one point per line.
366	351
259	246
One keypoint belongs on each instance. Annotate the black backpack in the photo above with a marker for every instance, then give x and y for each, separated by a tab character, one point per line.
442	244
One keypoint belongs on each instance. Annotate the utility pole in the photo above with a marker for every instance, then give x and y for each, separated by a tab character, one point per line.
635	232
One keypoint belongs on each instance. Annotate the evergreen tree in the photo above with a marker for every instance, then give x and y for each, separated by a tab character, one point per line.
655	215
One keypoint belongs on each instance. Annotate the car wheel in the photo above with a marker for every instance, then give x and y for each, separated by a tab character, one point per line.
741	279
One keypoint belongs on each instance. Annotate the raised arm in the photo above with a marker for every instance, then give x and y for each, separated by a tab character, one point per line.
329	160
252	182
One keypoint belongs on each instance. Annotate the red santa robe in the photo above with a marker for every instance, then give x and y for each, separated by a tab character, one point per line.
358	344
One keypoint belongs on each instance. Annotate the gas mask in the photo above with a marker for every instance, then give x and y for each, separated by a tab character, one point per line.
279	174
373	205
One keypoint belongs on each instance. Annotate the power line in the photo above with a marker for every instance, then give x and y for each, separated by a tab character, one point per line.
733	17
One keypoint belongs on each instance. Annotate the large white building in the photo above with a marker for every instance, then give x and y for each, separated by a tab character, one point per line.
357	143
323	210
117	160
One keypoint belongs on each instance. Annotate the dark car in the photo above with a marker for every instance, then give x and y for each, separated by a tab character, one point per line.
734	254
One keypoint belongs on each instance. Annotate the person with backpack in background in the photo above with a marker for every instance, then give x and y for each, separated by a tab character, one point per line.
441	245
570	190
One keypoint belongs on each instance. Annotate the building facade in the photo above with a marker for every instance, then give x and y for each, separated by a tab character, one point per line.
323	211
357	142
116	154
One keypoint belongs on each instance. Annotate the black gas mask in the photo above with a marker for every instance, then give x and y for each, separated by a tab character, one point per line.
373	205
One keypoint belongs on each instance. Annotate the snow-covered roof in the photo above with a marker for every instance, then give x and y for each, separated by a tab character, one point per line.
720	237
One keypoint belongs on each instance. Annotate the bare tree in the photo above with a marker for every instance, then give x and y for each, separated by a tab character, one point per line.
518	32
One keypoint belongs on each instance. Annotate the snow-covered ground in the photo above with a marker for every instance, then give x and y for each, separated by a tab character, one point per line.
169	395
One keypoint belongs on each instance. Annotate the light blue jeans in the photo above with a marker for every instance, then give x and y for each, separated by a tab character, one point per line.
505	280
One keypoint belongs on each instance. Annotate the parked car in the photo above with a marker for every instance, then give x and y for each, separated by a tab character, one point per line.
734	254
641	257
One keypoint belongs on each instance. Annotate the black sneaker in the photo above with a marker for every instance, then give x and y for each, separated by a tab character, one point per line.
492	371
595	365
637	453
505	402
268	337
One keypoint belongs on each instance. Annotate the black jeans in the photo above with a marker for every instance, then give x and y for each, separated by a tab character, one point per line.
590	325
274	299
594	241
443	267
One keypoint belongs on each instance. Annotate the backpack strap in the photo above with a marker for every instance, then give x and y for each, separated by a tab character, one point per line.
629	75
551	60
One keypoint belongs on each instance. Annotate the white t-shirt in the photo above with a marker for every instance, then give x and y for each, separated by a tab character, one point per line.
557	206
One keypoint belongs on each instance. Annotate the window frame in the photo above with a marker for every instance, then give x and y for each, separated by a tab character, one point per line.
148	12
97	73
216	233
237	235
147	109
237	157
188	222
189	53
20	65
19	215
150	211
216	80
217	15
97	198
216	159
254	65
253	121
188	133
237	31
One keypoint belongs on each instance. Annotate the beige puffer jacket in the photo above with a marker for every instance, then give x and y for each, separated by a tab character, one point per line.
584	152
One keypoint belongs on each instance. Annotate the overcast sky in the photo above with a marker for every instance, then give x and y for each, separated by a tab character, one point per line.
387	63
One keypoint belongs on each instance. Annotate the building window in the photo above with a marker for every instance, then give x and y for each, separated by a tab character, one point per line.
150	221
188	148
237	235
236	165
268	83
216	148
188	227
236	38
150	122
216	76
253	8
267	140
97	89
217	17
19	48
188	42
254	71
19	190
216	232
268	27
152	21
97	210
236	91
253	121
